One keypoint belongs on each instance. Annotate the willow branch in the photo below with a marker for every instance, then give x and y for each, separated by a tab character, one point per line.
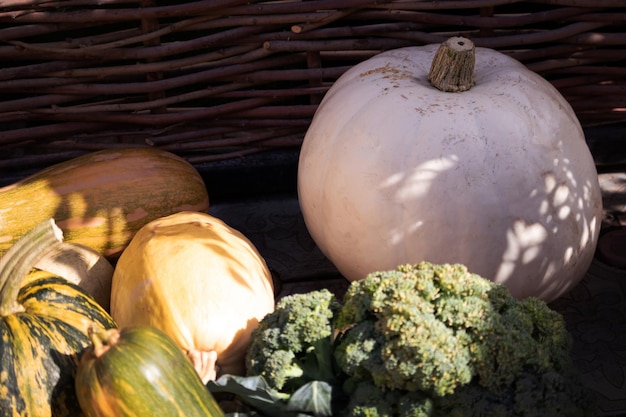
22	50
322	21
196	8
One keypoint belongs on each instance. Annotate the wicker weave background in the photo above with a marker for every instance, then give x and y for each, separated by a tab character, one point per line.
217	79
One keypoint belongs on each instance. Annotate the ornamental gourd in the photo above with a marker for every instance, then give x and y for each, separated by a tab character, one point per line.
102	198
201	282
80	265
43	328
140	371
483	165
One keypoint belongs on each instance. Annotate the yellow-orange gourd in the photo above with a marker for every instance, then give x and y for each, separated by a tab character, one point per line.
197	279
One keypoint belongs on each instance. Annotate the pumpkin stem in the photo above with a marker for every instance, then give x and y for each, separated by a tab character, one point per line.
19	260
452	69
102	339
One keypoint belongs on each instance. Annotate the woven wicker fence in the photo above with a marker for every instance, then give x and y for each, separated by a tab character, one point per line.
218	79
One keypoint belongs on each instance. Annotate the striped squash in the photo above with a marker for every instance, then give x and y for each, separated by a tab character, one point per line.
140	371
44	325
102	198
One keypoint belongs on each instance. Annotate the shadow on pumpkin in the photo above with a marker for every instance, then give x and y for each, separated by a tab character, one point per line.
235	362
524	212
223	250
528	232
110	219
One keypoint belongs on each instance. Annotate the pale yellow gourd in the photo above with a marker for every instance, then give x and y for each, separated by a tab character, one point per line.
494	174
200	281
80	265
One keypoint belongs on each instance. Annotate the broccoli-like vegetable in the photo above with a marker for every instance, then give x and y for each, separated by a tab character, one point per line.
460	340
423	340
293	344
367	400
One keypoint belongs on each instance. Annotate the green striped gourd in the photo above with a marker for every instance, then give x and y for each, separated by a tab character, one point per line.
43	327
140	371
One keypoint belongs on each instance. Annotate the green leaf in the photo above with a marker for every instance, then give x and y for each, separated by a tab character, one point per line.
244	414
314	398
254	392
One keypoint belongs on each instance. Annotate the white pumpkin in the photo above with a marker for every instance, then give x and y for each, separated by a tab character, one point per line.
499	177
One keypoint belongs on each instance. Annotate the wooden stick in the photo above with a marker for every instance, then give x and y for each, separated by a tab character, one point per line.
140	52
596	90
31	4
578	59
276	92
138	106
574	81
22	31
316	23
407	14
182	137
325	33
606	70
287	7
517	39
102	37
266	145
33	102
614	16
535	54
464	4
290	75
225	56
241	122
262	20
151	34
47	159
194	8
600	39
50	130
304	110
239	140
218	73
333	45
144	119
27	71
586	3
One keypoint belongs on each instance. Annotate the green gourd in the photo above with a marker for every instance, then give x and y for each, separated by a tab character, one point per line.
140	371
